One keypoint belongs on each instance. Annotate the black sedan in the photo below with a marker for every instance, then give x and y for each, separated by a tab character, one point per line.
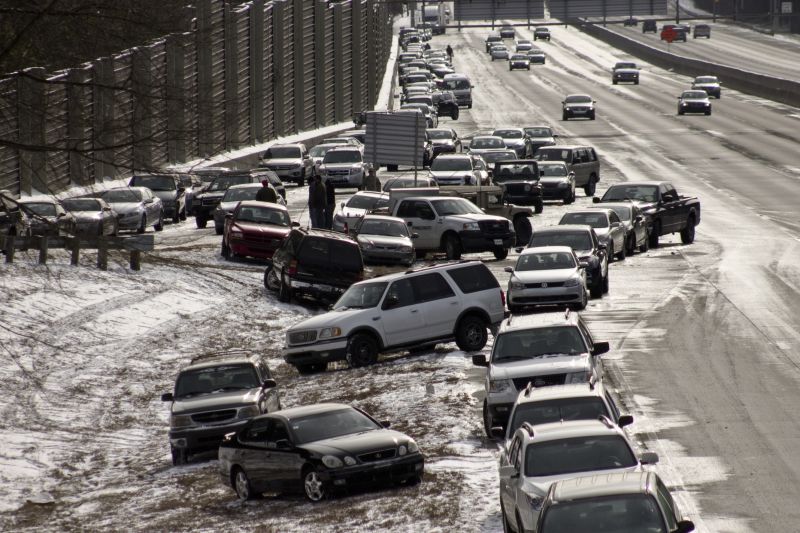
92	215
316	448
508	32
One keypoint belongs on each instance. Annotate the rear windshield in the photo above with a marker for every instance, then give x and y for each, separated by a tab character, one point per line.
526	171
42	209
473	278
282	152
643	193
492	157
154	183
331	254
454	85
237	195
575	240
222	183
539	132
628	512
508	134
553	155
595	220
538	342
451	164
342	156
81	204
552	170
215	379
578	454
487	142
544	412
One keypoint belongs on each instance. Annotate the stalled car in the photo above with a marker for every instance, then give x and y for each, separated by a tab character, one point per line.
606	225
137	208
537	56
701	30
47	217
540	136
169	189
234	195
444	141
93	216
516	139
499	51
548	275
255	229
385	240
356	207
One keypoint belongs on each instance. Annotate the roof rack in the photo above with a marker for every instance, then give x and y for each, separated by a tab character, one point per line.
566	314
528	428
439	265
216	355
592	382
606	421
528	389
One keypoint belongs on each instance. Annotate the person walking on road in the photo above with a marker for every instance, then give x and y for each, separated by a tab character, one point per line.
267	193
330	205
317	200
449	51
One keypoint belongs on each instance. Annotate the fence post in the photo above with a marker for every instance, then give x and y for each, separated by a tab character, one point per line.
338	62
75	247
278	60
320	45
30	113
356	42
256	45
205	99
136	260
176	87
231	78
142	89
43	247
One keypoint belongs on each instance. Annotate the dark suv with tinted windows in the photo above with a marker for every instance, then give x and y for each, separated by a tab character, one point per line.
519	179
315	263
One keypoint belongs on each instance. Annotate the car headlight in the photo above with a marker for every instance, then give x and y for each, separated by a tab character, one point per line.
515	285
572	282
534	501
236	232
412	447
527	188
180	421
406	249
367	245
577	377
332	461
329	333
500	385
402	450
471	226
249	412
349	461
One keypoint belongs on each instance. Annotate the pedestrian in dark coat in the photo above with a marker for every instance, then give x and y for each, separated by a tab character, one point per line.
317	200
267	193
330	205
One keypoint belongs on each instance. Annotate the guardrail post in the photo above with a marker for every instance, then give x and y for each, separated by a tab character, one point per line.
256	45
75	248
31	119
338	62
43	250
102	254
136	260
10	248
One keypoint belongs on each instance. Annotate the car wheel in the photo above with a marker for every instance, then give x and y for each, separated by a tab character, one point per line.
591	117
487	419
500	253
636	82
452	247
605	284
226	251
622	252
610	251
284	291
680	111
596	290
538	207
469	105
182	215
590	186
471	334
159	226
177	217
362	350
708	112
200	221
218	229
311	368
687	233
241	484
523	229
645	244
653	239
631	245
564	116
180	456
271	281
313	485
583	303
142	225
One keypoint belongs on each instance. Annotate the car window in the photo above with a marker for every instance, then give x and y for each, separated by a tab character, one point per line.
513	449
331	424
577	240
538	342
401	291
81	204
612	217
154	183
423	210
44	209
586	334
428	287
544	412
595	220
193	382
122	195
277	431
473	278
668	504
256	433
554	155
237	195
545	261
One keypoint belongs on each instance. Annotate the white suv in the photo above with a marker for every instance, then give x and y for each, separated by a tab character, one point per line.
455	301
343	166
544	349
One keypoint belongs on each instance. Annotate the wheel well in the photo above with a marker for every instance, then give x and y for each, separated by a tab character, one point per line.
692	215
480	313
447	234
368	331
235	469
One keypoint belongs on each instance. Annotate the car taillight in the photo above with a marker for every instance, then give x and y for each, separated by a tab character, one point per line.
292	270
503	298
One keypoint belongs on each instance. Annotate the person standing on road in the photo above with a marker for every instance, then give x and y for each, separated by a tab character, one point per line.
267	193
449	51
317	200
330	204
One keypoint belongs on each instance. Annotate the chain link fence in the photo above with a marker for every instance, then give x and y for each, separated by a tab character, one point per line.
245	74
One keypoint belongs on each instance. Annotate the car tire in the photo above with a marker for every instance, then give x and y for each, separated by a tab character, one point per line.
159	226
452	247
645	246
636	82
469	105
611	252
180	456
708	112
623	253
182	215
680	112
487	419
500	253
177	217
523	229
471	333
271	282
596	290
614	82
284	291
241	484
564	116
362	350
200	221
538	207
313	487
591	117
142	225
226	252
605	284
583	303
219	229
631	245
591	186
311	368
687	233
653	238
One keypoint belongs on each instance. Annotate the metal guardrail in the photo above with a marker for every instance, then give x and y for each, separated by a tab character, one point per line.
244	75
135	245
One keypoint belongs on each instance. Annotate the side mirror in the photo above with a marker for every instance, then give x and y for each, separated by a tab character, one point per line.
625	420
615	224
62	215
685	526
648	458
498	432
391	301
509	471
283	444
269	384
149	201
602	246
480	360
414	235
509	269
519	249
385	424
295	224
583	264
106	208
228	215
600	348
167	397
341	205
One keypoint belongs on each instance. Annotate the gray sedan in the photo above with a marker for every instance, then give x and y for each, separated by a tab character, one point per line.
606	224
136	207
385	240
93	216
234	195
635	222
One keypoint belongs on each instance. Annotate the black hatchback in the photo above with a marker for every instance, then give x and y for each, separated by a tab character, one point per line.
314	263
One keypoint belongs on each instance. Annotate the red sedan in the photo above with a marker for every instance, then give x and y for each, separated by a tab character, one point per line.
255	229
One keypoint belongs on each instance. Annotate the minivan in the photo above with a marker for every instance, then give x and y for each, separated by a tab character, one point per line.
581	160
461	87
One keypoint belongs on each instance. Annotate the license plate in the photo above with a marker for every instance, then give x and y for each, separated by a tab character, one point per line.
498	242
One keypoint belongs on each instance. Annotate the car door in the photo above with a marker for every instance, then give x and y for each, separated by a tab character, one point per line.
152	206
672	217
283	464
401	317
252	453
271	400
639	224
507	484
439	303
421	219
618	231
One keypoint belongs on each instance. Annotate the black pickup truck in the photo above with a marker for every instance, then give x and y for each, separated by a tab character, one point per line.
668	211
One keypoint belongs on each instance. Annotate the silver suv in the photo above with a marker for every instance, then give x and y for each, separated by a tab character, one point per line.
422	307
343	167
544	349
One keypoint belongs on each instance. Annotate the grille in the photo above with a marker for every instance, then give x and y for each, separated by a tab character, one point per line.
281	167
546	285
494	226
379	455
548	185
210	201
546	299
516	189
213	417
339	172
540	381
302	337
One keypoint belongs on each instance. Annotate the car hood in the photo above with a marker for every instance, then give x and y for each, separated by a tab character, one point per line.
545	276
574	106
475	217
450	173
554	179
228	207
541	485
215	195
340	165
330	319
87	216
126	207
625	71
513	143
602	232
540	366
263	229
540	141
384	240
445	142
281	161
220	400
351	212
358	443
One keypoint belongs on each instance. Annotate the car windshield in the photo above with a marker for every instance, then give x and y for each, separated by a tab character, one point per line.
420	99
624	513
81	204
518	57
499	47
330	425
595	220
283	152
455	207
524	171
407	183
154	183
453	85
487	142
223	183
508	134
440	134
622	211
362	296
550	171
694	95
705	79
545	261
239	194
547	411
537	342
422	107
263	215
43	209
575	240
642	193
501	155
342	156
363	201
390	228
122	196
625	65
578	99
319	150
553	155
578	454
538	132
451	164
219	378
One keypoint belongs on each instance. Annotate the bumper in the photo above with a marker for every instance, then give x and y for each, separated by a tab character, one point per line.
500	411
204	211
131	221
524	199
319	352
344	180
387	257
519	64
476	241
558	295
319	291
202	438
170	210
379	472
89	228
253	249
555	193
289	174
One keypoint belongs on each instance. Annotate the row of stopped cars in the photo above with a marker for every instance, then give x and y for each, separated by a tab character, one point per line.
525	52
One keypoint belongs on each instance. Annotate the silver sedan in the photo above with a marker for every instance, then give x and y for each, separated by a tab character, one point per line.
93	216
606	223
385	240
547	275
